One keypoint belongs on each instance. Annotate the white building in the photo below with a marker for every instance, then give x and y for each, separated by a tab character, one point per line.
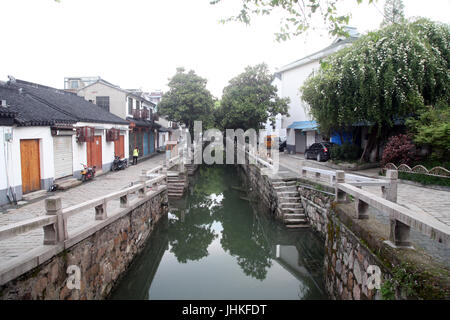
300	128
48	134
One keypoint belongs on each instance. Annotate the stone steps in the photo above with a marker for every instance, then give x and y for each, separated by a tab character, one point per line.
175	195
289	198
294	216
284	183
295	221
285	188
290	205
297	226
293	210
287	193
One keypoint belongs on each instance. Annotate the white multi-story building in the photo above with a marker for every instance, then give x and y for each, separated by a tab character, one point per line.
300	128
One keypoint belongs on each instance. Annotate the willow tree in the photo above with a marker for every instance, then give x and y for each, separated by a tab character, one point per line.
383	76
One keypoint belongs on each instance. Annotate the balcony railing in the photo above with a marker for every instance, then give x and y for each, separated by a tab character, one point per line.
141	114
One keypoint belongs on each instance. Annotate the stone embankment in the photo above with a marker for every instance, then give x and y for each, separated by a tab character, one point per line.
359	261
87	263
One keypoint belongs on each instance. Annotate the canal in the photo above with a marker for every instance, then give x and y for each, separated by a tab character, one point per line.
218	242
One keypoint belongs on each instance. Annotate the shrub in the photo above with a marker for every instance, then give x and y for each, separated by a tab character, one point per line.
399	150
345	152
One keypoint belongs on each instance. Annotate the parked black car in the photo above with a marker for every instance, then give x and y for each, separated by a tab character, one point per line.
319	151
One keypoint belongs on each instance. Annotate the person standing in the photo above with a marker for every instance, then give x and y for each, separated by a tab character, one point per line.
135	155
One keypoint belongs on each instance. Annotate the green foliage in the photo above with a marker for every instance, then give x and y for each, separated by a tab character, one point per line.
249	100
412	283
383	76
297	15
431	127
424	179
393	12
188	100
387	290
345	152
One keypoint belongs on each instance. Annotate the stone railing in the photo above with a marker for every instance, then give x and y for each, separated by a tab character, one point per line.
436	171
55	221
316	173
401	218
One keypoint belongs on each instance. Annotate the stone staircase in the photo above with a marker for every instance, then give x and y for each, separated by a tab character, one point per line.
176	183
290	208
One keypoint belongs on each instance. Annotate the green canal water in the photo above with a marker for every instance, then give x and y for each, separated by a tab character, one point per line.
219	242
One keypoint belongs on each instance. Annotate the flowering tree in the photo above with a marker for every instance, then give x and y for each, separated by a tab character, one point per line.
383	76
393	12
399	150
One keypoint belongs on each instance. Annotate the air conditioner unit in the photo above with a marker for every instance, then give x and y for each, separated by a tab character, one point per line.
85	134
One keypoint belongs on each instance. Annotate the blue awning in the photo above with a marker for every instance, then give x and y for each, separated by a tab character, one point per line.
304	125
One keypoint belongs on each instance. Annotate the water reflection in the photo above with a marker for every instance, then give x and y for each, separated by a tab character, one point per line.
220	246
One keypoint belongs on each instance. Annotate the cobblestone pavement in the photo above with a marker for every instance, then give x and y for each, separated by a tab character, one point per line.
100	186
428	201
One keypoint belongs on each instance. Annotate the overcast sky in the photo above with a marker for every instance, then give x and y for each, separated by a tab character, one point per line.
140	43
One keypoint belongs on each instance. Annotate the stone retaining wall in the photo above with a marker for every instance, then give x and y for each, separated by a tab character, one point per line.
347	259
263	185
101	257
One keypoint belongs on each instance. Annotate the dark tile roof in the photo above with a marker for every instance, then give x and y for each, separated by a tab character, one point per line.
46	103
28	111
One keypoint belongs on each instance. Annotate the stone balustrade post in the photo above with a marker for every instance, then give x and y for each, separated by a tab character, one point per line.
390	192
340	195
141	192
124	201
56	232
100	211
362	209
399	233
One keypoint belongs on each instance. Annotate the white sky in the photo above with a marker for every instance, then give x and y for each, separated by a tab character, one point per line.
140	43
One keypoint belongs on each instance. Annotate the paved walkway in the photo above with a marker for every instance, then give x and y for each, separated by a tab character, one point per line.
428	201
100	186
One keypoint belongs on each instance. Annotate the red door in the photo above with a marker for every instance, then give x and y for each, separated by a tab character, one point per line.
94	152
119	147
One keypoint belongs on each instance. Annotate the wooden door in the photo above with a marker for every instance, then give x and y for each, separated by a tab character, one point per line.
119	147
94	152
30	163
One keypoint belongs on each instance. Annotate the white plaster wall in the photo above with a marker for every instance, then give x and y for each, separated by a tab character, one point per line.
117	98
291	81
310	138
80	150
45	152
290	137
3	158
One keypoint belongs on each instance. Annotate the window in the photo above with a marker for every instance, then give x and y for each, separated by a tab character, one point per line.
130	105
102	102
138	105
73	84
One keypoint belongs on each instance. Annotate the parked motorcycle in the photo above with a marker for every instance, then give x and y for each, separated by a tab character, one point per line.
119	164
87	173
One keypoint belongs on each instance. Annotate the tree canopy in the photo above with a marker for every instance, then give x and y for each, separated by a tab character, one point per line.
249	100
383	76
187	100
297	15
431	127
393	12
